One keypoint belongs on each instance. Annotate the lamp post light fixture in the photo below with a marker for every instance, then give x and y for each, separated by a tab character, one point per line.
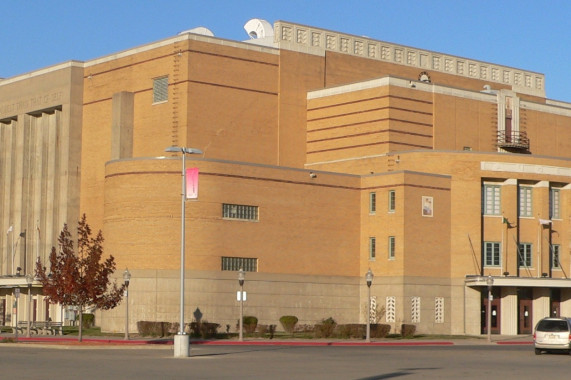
29	280
181	339
490	283
369	277
241	277
127	278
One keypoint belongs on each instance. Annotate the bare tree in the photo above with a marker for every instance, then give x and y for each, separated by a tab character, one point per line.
80	278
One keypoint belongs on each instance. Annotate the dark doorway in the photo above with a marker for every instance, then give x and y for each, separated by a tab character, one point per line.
496	311
554	302
525	310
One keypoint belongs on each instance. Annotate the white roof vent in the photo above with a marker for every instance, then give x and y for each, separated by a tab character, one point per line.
199	30
258	28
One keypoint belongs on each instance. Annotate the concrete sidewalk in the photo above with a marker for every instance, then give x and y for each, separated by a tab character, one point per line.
114	341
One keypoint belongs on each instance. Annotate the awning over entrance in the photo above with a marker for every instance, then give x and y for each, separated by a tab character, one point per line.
542	282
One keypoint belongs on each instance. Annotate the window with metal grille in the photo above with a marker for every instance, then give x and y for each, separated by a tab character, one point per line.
415	310
160	89
372	202
525	254
392	200
241	212
248	264
372	248
525	201
554	204
439	310
390	315
492	255
491	199
555	263
391	247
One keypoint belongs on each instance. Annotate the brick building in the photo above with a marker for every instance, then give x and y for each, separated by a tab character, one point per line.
324	155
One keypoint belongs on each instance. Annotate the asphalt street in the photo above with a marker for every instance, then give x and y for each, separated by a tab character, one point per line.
23	361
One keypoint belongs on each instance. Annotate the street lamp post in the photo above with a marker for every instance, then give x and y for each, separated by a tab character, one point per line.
29	280
490	283
126	278
369	277
181	340
241	276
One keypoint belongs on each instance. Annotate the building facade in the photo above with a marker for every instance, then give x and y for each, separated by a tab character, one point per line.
324	155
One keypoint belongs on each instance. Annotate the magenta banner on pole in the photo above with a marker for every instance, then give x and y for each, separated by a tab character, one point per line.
192	183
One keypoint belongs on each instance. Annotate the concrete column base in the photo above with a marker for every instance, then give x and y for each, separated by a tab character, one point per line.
181	346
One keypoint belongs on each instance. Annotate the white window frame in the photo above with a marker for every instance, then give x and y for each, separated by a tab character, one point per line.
492	254
391	247
372	203
555	203
525	201
525	255
392	200
491	199
372	248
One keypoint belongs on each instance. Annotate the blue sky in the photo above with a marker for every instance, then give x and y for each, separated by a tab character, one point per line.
526	34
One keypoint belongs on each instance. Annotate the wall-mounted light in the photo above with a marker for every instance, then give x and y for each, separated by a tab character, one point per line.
312	175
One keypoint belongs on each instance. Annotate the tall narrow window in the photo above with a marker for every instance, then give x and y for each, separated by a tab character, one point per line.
392	200
555	263
491	199
160	89
372	202
372	248
492	256
525	254
525	201
554	204
391	247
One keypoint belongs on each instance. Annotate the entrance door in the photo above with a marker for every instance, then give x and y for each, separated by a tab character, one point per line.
525	311
496	311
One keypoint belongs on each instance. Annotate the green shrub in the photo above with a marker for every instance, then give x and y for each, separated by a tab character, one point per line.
325	328
380	330
88	320
351	330
152	328
288	322
407	331
250	324
204	329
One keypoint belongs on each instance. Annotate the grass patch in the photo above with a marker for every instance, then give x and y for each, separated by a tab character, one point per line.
90	331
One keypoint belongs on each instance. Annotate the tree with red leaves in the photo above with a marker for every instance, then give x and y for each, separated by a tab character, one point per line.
80	278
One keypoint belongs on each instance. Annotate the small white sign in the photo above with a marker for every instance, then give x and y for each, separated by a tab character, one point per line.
238	298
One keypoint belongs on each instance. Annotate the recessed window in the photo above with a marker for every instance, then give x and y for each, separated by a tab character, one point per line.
239	212
391	247
248	264
525	255
555	204
525	201
392	200
372	202
492	255
491	199
555	263
372	248
160	89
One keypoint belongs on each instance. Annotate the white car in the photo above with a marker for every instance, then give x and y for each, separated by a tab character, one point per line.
552	334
